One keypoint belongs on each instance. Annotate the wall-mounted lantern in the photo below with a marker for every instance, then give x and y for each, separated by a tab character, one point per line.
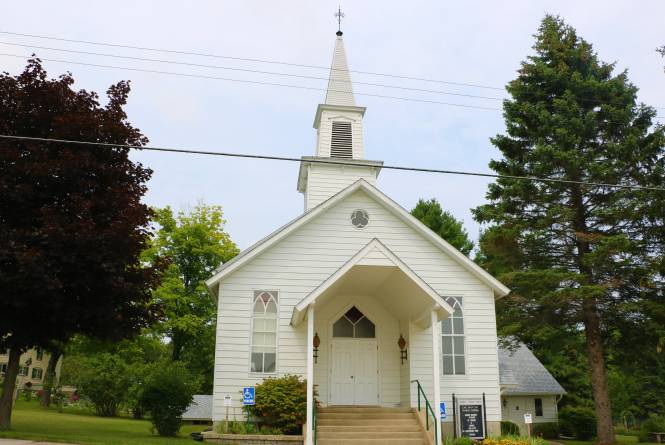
316	342
403	353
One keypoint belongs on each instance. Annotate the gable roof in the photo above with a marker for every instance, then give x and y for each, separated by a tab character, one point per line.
521	373
374	252
499	289
199	409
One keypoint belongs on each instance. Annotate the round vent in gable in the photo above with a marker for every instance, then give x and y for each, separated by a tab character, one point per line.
359	218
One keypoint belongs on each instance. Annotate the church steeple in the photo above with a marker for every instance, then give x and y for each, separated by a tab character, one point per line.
339	136
340	89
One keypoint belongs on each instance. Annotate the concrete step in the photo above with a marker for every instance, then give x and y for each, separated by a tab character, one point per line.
369	435
407	428
365	415
371	441
346	421
369	409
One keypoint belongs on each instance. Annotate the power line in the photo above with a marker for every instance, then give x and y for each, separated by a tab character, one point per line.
254	82
333	162
244	59
246	70
582	99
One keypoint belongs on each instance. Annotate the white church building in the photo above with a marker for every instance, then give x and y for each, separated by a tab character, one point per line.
362	300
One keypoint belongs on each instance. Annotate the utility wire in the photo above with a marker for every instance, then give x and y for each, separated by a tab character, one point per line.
254	82
582	99
246	70
244	59
333	162
267	61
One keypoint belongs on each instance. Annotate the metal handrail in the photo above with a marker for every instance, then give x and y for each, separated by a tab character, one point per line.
428	407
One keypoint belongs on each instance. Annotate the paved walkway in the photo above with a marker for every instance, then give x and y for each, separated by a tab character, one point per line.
27	442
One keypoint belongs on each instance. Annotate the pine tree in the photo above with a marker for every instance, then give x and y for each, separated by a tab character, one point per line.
444	224
577	256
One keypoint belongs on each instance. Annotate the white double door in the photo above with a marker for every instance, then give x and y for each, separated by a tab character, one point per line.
354	372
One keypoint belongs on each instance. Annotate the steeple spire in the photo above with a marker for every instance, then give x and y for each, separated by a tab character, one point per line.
340	89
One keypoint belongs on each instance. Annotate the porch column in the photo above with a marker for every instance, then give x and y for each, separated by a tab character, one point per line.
436	371
310	376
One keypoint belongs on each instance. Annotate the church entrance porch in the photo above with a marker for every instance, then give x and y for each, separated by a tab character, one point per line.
357	316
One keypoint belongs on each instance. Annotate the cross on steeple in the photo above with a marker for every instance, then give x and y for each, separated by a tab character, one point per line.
340	15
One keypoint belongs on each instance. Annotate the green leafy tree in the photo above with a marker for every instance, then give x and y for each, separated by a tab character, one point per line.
195	244
72	221
167	391
577	256
281	403
444	224
105	381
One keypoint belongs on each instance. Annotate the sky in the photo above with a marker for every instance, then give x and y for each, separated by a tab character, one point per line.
473	42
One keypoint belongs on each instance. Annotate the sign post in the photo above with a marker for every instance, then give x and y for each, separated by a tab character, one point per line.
472	422
528	420
248	393
227	404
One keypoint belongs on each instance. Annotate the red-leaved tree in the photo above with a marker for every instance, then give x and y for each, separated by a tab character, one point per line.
72	224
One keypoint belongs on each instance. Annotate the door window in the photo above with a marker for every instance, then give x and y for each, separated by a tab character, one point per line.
354	324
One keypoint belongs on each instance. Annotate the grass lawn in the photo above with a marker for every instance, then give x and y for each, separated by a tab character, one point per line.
31	421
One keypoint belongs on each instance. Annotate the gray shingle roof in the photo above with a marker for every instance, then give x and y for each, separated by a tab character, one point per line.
199	409
521	373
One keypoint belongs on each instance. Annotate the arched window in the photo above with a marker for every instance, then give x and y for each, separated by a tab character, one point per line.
353	324
452	340
264	332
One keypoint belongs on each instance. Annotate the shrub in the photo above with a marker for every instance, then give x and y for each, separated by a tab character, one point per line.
509	428
281	403
548	430
577	421
103	380
168	390
653	424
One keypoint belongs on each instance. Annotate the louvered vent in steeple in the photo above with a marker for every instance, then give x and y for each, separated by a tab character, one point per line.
341	145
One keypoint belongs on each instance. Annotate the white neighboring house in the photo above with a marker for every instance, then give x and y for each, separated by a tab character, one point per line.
355	272
527	387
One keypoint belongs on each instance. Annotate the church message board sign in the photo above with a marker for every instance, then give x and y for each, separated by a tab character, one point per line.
471	422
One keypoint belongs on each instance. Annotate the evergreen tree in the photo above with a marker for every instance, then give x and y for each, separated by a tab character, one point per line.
577	256
444	224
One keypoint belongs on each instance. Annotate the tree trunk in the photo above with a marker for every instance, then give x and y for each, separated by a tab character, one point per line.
8	386
49	380
596	355
176	346
594	338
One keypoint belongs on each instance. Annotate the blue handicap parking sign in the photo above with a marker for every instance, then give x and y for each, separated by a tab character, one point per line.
443	410
248	396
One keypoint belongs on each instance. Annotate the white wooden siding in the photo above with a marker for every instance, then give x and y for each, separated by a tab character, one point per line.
326	180
305	258
516	406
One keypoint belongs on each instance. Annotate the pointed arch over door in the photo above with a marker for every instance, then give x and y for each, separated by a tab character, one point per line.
354	324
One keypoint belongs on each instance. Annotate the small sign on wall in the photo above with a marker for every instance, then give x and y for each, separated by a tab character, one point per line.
227	400
527	418
442	409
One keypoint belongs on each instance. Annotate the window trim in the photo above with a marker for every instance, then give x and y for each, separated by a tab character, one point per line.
457	300
40	376
252	300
